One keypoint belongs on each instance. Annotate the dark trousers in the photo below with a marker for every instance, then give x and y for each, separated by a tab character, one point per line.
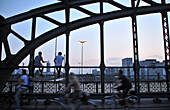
58	71
125	89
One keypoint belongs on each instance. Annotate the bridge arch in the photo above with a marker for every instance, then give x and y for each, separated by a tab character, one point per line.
79	24
7	66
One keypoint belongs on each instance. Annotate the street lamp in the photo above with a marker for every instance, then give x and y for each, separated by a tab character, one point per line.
82	42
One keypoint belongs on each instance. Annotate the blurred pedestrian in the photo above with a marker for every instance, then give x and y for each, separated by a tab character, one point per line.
22	86
75	84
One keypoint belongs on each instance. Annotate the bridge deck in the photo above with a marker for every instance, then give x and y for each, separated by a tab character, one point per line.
145	104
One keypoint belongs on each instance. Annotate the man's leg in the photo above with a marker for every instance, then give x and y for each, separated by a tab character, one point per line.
58	71
17	96
41	71
125	92
119	89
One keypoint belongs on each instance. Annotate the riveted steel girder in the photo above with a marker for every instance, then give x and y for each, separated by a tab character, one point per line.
13	60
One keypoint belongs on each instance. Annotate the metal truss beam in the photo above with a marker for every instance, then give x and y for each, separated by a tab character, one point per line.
150	2
12	61
51	20
85	22
116	4
166	44
136	65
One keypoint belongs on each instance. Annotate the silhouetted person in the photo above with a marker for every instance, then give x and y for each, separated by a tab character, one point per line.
22	86
38	60
125	83
58	62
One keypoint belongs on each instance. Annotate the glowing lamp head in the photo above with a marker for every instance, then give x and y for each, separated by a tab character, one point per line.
82	41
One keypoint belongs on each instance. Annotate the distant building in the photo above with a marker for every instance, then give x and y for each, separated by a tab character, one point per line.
148	73
127	62
96	72
111	71
151	73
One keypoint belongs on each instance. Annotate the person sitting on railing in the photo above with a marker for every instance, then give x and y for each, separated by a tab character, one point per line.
58	62
38	60
124	82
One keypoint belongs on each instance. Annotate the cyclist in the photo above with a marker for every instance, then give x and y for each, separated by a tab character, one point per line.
125	83
75	84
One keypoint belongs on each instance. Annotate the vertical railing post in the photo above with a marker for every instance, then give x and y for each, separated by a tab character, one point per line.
31	63
42	85
136	65
97	91
0	49
166	44
67	15
102	65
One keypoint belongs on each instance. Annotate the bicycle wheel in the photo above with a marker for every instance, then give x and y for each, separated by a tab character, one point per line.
56	105
111	102
86	106
60	106
33	101
133	102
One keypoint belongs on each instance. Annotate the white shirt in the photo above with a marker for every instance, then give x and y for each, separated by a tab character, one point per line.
25	81
38	61
59	60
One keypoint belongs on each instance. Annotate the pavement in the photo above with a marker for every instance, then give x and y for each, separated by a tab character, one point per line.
145	104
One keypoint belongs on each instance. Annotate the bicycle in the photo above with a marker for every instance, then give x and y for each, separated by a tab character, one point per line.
82	101
130	102
59	104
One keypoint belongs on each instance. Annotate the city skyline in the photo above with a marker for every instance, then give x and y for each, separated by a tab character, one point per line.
117	35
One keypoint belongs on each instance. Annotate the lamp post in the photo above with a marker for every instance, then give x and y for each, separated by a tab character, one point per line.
82	42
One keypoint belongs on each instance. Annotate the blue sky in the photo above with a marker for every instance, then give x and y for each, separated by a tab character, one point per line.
118	34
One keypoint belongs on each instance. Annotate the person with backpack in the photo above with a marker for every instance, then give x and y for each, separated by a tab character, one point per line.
22	86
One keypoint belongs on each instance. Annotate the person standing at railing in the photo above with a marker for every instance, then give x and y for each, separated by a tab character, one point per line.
38	60
124	82
58	62
22	86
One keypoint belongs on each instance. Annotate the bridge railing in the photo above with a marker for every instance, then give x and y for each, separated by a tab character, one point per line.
89	86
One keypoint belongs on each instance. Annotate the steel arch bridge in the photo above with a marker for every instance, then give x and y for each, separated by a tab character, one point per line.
12	61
